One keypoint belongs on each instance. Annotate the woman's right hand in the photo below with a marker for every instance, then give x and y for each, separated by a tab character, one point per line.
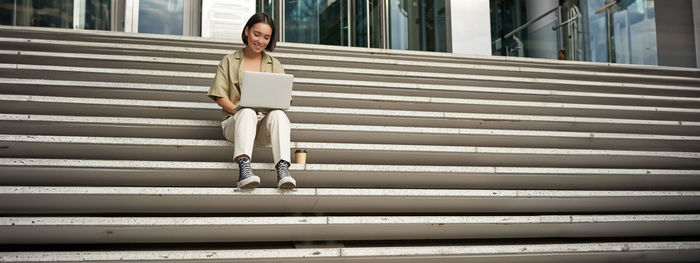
227	105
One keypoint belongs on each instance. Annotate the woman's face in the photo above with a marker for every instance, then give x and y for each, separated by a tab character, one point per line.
258	36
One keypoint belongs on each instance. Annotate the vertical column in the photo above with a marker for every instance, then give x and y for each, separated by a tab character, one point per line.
190	21
131	16
78	14
469	27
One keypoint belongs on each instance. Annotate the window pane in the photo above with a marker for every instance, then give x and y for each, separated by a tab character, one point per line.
359	18
45	13
98	14
7	10
417	25
375	23
330	22
634	31
595	31
301	21
161	16
333	23
268	7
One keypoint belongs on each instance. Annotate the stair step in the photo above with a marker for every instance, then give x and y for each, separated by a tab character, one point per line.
26	104
91	230
379	75
211	129
301	58
25	171
55	35
45	146
675	251
79	87
171	200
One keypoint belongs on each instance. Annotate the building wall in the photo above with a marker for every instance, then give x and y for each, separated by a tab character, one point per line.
225	19
675	33
470	27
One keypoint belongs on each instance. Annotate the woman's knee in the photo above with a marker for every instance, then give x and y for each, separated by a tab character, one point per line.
278	116
245	113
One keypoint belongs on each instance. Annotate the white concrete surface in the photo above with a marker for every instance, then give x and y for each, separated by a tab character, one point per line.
469	25
364	129
427	149
170	105
361	72
37	200
88	230
350	83
70	172
679	251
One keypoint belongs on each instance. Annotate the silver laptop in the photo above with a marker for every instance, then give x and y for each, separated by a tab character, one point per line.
264	91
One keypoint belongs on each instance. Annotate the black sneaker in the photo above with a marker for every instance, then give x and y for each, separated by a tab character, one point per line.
284	179
246	178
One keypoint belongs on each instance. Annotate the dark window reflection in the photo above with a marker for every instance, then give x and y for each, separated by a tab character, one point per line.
7	10
330	22
301	21
418	25
98	14
42	13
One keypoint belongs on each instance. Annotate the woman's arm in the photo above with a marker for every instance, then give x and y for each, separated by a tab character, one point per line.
226	104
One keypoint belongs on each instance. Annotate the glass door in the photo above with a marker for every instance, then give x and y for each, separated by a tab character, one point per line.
417	25
169	17
330	22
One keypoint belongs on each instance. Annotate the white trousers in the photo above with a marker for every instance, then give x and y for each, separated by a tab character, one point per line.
246	130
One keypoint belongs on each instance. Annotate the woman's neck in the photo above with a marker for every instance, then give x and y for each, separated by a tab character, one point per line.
250	54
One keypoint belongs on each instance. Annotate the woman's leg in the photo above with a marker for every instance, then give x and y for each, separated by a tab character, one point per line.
276	129
240	129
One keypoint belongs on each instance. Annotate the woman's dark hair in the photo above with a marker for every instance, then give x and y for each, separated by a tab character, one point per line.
261	17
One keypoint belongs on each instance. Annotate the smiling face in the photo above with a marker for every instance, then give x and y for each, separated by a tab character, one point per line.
258	36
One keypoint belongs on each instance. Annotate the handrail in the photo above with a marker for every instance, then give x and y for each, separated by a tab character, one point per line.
566	22
526	25
606	6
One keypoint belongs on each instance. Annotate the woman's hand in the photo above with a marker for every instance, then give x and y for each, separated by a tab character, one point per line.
226	104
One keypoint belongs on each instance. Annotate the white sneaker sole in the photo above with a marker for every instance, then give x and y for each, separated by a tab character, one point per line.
249	183
287	183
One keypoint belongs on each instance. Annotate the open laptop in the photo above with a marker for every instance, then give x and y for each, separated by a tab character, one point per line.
265	91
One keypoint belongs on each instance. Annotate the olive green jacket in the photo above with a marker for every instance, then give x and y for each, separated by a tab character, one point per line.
227	82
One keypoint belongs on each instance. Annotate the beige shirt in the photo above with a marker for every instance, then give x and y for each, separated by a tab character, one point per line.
227	82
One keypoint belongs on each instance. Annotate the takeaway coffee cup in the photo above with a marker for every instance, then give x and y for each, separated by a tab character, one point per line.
300	156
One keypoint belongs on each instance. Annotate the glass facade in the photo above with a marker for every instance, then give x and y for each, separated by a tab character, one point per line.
98	15
161	16
396	24
417	25
622	31
582	30
41	13
329	22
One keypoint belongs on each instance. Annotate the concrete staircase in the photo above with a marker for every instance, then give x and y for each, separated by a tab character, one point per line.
110	151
